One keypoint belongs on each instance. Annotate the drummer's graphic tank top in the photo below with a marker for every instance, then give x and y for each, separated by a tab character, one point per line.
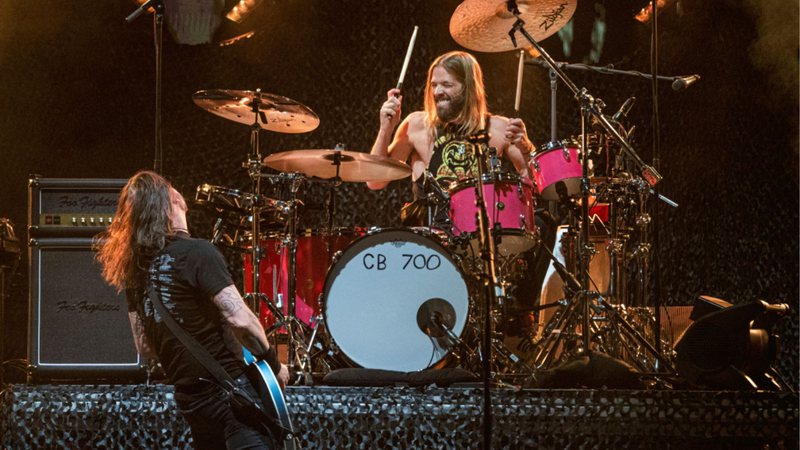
453	159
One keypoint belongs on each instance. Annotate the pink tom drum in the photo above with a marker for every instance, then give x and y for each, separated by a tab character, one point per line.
554	162
509	203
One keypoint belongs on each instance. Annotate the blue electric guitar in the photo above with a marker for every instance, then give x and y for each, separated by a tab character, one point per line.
265	382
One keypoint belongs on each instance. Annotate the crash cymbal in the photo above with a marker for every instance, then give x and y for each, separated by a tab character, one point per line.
355	166
276	113
483	25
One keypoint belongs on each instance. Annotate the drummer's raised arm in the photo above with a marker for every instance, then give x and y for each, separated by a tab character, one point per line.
398	148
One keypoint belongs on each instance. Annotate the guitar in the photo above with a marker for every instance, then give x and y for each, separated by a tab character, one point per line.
263	379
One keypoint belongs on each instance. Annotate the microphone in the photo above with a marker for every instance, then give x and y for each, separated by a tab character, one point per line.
494	162
624	110
569	279
682	83
479	137
435	317
142	8
435	186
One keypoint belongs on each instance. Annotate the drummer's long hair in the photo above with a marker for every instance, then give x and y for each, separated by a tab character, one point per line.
139	230
466	69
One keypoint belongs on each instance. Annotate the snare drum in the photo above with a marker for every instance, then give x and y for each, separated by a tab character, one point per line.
557	161
381	294
509	203
315	251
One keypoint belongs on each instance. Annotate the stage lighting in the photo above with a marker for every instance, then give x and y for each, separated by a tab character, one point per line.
730	346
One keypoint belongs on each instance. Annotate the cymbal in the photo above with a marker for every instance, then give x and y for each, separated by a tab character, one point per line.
355	166
483	25
276	113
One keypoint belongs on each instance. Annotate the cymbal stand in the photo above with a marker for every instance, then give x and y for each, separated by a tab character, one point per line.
590	108
323	356
255	298
253	165
298	357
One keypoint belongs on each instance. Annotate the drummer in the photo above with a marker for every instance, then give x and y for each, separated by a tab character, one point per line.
436	139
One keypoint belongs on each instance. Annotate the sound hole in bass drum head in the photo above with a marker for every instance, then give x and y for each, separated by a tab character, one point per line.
380	295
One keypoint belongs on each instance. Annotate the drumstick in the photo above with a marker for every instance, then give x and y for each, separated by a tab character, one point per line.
519	82
408	58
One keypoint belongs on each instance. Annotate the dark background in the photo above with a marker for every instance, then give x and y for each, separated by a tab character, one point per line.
78	87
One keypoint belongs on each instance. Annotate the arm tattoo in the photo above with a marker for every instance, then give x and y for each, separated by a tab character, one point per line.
229	301
139	326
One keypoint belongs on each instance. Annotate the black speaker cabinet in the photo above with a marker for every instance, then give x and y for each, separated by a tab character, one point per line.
78	325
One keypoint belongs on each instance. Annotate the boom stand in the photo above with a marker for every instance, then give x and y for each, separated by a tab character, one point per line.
492	291
590	108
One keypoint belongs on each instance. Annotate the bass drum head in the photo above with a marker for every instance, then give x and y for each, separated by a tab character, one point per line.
380	293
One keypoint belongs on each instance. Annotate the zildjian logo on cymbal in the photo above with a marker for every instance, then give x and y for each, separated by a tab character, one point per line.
549	19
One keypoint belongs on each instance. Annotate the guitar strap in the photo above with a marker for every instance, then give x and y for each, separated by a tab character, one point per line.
206	360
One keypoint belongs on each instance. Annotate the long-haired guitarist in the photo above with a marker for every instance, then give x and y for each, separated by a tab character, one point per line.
149	243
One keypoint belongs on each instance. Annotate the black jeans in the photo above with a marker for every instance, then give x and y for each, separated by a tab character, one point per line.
214	426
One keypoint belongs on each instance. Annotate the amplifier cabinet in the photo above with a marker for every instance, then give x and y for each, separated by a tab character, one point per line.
78	324
71	206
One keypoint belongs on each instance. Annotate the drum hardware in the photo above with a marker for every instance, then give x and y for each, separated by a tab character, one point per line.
437	199
484	24
332	166
280	114
232	207
578	308
491	291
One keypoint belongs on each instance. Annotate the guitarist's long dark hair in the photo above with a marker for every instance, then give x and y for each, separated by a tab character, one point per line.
139	230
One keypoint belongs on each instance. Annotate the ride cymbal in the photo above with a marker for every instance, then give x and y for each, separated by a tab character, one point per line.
483	25
353	166
275	112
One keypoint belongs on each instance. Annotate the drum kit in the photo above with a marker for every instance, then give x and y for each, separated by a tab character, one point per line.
410	299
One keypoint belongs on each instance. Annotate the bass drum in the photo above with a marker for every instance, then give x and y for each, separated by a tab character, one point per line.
385	297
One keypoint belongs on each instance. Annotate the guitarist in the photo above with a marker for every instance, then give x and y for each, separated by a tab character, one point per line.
149	244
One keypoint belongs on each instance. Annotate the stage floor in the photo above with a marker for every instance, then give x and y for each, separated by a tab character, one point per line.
144	417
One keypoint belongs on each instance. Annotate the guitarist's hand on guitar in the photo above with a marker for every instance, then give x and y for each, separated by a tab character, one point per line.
283	376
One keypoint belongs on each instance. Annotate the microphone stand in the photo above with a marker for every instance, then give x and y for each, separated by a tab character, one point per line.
158	31
491	288
679	82
590	108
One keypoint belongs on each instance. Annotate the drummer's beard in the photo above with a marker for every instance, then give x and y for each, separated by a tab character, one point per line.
448	108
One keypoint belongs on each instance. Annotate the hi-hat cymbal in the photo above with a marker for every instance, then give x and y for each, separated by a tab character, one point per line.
355	166
275	112
483	25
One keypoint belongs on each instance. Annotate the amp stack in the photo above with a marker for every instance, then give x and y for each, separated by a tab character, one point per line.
78	328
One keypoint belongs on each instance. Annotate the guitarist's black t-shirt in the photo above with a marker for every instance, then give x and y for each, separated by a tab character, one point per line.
187	274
